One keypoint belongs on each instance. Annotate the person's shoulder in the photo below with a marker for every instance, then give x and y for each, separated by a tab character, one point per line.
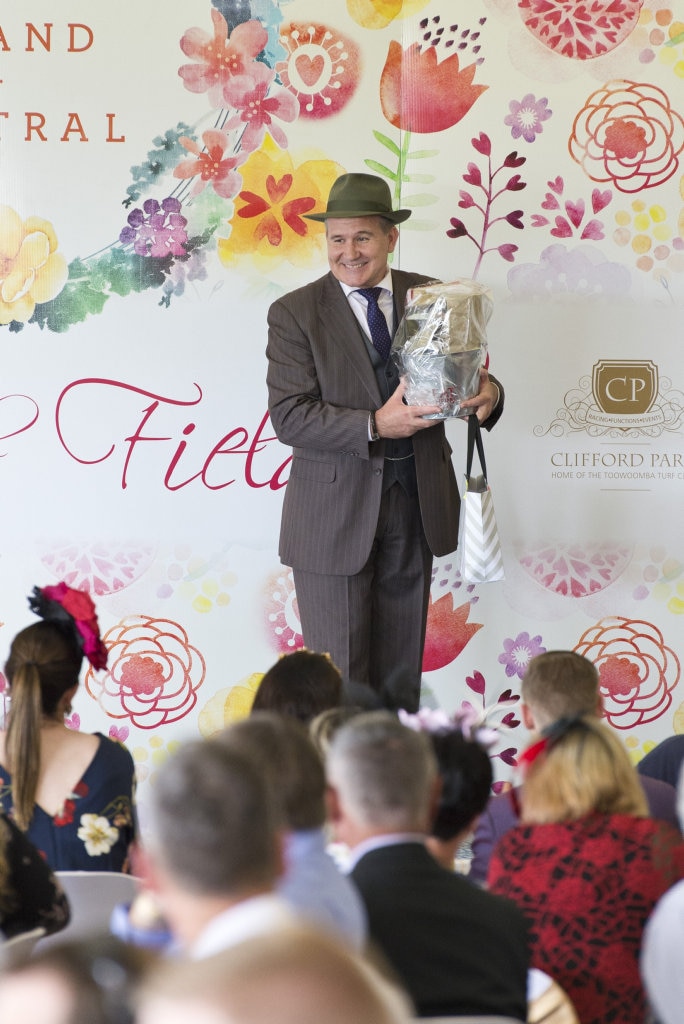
113	751
661	796
305	292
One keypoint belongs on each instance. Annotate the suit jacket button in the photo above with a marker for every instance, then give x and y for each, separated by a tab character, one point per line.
378	472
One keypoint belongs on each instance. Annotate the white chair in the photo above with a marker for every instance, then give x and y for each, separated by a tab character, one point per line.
92	897
13	951
547	1002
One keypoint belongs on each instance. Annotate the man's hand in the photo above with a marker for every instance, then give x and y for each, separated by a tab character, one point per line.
484	402
396	419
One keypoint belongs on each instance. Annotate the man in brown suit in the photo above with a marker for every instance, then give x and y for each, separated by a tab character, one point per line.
372	494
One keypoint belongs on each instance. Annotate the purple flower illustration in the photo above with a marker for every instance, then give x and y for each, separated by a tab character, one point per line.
526	117
517	653
156	230
582	273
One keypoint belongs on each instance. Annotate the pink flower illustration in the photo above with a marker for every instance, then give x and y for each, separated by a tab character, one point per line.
257	101
99	568
211	164
322	67
154	673
580	30
526	117
637	670
568	222
218	57
629	134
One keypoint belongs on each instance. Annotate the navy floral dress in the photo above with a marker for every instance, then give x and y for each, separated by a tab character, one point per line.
95	827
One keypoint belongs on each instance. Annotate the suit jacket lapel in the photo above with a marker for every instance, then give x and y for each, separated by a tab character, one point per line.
342	329
399	290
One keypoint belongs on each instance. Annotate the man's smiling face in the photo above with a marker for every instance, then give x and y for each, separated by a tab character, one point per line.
358	248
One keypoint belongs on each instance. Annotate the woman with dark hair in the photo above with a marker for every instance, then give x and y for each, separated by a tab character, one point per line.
465	771
301	685
70	792
30	896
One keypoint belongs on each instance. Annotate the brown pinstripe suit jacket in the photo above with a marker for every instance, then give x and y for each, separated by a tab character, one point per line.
321	387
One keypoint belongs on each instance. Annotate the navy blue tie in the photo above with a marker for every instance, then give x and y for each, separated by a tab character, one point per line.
377	324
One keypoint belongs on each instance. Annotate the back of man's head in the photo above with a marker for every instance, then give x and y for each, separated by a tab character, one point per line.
289	762
291	976
213	823
383	772
560	684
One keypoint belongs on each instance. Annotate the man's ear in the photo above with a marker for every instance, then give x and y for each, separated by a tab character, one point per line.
528	718
332	804
144	867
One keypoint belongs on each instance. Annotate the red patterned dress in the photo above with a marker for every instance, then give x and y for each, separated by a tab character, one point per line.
587	888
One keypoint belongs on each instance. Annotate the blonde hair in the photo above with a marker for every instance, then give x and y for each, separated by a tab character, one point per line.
294	975
583	769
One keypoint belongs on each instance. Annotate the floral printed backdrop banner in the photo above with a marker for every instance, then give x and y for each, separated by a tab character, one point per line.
157	164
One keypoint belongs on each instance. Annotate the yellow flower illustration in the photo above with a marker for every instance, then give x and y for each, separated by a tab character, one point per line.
31	270
379	13
229	705
268	225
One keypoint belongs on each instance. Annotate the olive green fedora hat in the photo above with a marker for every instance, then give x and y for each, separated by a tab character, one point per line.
360	195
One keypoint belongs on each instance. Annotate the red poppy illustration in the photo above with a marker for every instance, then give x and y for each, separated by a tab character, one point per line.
420	94
628	133
154	673
448	632
637	670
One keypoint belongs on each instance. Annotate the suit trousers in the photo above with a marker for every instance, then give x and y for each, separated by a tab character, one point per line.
373	623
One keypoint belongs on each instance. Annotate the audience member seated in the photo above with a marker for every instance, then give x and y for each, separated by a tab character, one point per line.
312	883
293	976
664	761
557	684
70	792
586	866
661	954
89	982
323	727
455	948
300	685
212	855
30	896
465	771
